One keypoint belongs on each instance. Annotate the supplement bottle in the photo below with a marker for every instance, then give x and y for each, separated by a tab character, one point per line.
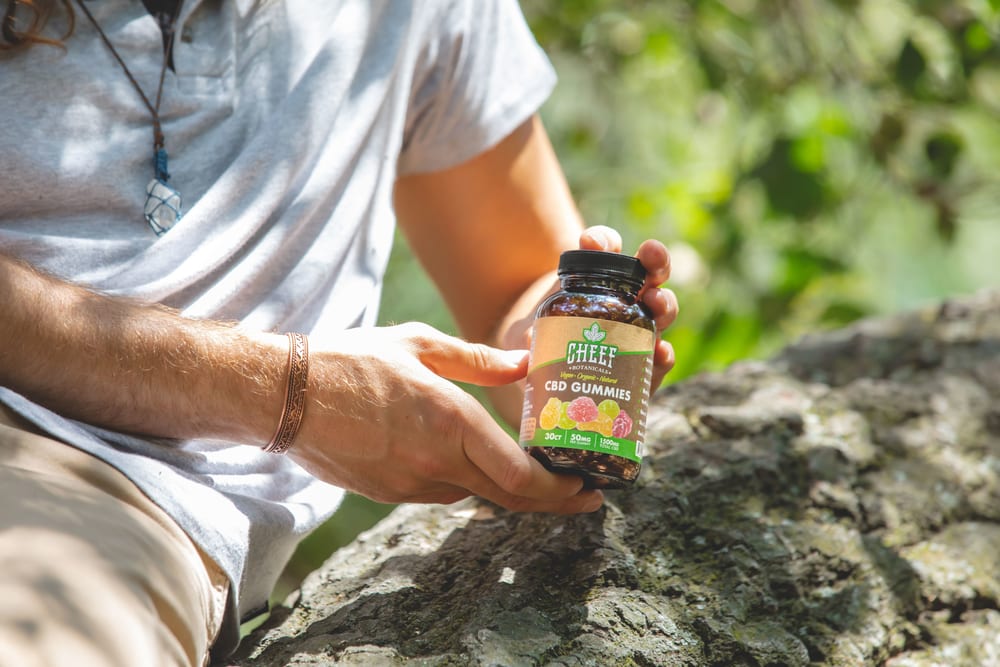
589	371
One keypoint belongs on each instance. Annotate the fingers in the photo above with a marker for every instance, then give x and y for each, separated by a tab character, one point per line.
496	468
662	303
459	360
663	355
480	456
653	255
656	259
510	469
663	362
490	463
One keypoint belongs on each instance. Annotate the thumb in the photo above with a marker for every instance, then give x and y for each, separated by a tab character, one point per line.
475	363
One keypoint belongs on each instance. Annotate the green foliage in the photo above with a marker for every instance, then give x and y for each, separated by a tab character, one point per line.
808	162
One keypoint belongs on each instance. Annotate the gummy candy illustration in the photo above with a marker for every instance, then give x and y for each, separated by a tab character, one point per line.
622	425
603	424
564	421
583	414
582	409
549	416
609	408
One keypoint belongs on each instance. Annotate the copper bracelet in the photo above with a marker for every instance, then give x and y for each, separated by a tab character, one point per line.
295	397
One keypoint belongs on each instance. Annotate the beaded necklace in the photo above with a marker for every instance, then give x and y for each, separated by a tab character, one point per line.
162	208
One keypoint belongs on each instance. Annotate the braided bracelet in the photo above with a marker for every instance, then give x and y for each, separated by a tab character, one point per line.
295	397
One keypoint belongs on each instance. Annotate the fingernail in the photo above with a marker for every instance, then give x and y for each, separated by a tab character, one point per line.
594	504
604	239
513	357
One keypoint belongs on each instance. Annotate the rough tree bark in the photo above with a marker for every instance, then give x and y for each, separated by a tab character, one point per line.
836	505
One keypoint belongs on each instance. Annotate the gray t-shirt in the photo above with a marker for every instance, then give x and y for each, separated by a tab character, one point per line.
287	123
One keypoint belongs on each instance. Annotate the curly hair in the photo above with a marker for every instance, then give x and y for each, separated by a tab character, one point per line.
25	20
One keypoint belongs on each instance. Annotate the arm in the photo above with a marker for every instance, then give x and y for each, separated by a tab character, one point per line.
379	418
491	229
490	232
134	366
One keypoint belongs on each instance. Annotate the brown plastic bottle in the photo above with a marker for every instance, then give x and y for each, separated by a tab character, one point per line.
589	372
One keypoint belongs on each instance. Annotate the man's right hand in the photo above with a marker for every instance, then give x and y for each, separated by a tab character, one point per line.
383	420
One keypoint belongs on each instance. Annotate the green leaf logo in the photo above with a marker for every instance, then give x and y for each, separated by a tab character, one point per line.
594	334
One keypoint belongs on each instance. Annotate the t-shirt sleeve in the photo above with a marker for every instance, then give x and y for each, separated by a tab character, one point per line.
479	75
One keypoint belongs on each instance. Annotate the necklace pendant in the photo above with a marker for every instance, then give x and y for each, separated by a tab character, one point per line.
163	206
163	202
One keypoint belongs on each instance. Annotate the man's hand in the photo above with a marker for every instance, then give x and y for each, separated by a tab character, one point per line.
382	420
661	302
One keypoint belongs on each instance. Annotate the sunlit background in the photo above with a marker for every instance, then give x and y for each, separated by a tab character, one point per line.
808	162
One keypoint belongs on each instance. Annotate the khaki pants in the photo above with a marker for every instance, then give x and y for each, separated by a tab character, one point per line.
92	572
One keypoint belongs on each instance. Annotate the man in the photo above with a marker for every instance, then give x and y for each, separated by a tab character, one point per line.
143	367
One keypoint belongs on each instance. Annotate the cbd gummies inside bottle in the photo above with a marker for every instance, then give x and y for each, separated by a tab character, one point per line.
589	371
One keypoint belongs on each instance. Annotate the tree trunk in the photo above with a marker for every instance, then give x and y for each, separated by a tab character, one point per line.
836	505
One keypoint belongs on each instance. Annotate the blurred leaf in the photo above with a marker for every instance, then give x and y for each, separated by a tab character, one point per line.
886	138
730	337
910	67
808	153
977	38
800	266
833	121
977	46
943	150
790	189
687	342
840	313
641	207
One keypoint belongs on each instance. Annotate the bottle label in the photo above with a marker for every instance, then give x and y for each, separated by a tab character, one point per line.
588	386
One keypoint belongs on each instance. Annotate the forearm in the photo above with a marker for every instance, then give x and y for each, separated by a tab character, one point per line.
134	367
493	273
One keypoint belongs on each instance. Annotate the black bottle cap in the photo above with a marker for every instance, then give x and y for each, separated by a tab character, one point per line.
598	262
